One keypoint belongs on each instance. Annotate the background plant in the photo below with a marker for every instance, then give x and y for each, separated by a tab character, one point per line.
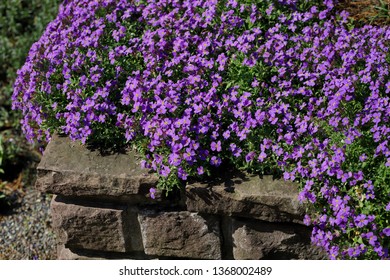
375	12
21	24
286	87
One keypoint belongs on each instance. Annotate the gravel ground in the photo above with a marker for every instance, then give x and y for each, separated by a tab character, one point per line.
25	232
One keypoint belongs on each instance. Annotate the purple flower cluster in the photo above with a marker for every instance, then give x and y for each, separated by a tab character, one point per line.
193	83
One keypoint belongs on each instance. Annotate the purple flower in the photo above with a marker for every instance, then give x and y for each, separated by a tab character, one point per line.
182	174
354	252
262	156
269	10
200	170
289	176
363	157
152	193
307	220
249	157
372	239
379	250
216	161
174	159
165	171
337	203
342	216
361	220
333	252
235	150
216	146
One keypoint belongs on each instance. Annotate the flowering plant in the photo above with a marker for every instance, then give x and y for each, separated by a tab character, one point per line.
284	86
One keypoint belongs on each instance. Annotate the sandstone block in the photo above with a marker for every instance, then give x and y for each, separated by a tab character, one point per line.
64	253
70	169
180	234
96	228
254	197
254	240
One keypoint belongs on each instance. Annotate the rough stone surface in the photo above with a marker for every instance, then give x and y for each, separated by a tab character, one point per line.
254	197
100	211
64	253
70	169
94	228
180	234
254	240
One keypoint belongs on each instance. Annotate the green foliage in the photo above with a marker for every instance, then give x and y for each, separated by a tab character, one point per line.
382	12
21	24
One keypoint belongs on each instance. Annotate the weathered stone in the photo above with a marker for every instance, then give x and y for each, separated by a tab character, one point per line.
70	169
254	240
64	253
240	218
181	235
261	198
114	229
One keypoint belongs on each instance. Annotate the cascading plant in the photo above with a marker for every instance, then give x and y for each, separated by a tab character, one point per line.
284	86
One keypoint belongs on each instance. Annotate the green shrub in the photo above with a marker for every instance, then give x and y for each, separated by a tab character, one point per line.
21	24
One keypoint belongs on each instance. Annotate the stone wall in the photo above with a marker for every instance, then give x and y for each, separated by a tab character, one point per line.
101	210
